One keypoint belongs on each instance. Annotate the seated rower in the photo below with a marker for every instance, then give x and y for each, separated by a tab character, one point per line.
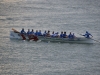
48	34
61	35
73	36
45	32
56	34
64	35
70	36
39	33
32	32
52	34
22	31
31	35
87	35
36	33
28	32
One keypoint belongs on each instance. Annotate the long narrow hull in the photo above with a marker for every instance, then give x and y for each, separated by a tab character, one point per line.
51	39
66	40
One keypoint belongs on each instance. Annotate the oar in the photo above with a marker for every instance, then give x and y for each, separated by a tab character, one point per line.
23	37
15	30
96	40
91	38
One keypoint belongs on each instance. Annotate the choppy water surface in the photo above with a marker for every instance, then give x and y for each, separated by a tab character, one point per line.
19	57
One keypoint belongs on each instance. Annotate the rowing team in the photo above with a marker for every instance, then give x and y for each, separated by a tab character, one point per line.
47	33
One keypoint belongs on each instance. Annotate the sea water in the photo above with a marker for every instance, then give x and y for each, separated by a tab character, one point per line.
19	57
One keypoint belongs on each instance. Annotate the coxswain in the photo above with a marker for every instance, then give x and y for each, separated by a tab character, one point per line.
87	35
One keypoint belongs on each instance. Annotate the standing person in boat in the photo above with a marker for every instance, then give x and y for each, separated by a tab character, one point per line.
87	35
64	35
23	33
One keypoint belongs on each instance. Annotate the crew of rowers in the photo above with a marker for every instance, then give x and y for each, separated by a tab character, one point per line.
47	34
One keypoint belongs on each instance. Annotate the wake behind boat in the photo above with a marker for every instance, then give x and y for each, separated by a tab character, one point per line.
14	34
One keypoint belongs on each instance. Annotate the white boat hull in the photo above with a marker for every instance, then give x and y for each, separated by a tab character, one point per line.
14	35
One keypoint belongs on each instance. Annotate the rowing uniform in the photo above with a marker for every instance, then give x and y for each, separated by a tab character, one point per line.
44	34
39	33
64	35
32	33
61	35
28	33
22	33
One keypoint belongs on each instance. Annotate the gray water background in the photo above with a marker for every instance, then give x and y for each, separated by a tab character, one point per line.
19	57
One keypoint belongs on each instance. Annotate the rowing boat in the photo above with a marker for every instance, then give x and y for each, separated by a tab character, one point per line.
16	35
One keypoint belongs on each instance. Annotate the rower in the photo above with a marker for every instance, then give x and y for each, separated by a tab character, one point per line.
32	32
73	36
56	34
44	34
64	35
87	35
36	33
52	34
70	36
48	34
61	35
31	35
28	32
39	33
22	31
